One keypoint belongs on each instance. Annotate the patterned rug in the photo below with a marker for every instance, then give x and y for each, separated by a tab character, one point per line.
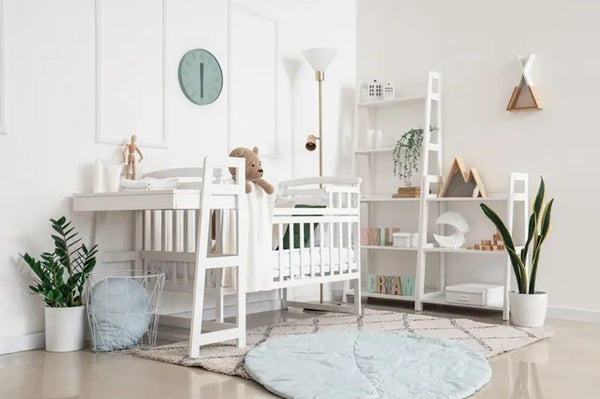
225	358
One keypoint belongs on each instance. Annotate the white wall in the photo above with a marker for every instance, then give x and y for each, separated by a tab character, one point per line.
49	149
474	44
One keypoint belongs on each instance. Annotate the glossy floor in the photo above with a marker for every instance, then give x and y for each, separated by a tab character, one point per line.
565	366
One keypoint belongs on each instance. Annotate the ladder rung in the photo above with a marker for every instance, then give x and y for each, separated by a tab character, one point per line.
434	147
215	262
218	336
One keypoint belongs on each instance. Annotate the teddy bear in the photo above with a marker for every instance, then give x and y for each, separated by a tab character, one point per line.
254	170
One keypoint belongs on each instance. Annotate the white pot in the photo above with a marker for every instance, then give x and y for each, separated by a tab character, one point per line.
64	328
528	310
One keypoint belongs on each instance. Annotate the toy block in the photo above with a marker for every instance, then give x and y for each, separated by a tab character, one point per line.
381	285
497	237
478	247
371	283
486	242
396	286
486	247
501	247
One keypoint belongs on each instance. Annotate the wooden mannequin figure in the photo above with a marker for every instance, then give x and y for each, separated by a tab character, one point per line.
129	157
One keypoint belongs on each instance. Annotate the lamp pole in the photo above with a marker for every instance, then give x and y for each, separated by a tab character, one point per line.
320	75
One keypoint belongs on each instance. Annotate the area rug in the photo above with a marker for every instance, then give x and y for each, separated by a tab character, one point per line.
487	339
367	365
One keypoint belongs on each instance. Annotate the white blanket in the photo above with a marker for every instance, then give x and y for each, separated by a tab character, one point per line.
258	239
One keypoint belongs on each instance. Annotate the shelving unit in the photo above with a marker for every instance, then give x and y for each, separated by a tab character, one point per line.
430	182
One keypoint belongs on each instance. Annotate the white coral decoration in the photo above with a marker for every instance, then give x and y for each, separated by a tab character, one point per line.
461	226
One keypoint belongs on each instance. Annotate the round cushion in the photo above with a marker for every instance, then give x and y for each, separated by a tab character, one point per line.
367	364
120	312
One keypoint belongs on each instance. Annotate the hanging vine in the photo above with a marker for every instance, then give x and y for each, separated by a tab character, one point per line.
406	154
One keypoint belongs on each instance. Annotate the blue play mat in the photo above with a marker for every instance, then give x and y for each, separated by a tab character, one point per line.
367	364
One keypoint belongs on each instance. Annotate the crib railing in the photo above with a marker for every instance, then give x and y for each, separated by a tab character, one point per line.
326	248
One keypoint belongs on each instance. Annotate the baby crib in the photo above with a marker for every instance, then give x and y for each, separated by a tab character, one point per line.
311	245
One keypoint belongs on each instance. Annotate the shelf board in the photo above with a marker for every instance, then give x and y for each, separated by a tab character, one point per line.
389	247
369	151
491	197
388	198
464	251
366	294
395	101
440	299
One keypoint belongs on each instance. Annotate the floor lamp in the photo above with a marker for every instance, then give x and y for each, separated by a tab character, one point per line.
319	59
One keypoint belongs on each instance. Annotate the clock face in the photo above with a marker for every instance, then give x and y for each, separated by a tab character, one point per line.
200	76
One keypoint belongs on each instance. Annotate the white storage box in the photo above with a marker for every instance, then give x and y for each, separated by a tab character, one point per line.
475	294
405	240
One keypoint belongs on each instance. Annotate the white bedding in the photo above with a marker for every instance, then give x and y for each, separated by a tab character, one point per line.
316	261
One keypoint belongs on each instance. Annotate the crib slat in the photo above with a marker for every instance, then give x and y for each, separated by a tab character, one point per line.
331	246
348	245
321	244
291	250
280	248
339	247
301	227
312	246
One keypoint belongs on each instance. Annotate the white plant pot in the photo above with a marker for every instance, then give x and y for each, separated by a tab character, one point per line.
65	328
528	310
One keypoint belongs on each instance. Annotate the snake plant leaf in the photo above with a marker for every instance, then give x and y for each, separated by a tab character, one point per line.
546	220
518	266
530	234
539	198
534	268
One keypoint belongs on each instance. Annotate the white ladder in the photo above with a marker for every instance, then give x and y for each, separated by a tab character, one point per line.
213	197
433	105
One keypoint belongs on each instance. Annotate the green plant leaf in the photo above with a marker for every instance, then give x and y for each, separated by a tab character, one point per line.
530	234
539	198
518	266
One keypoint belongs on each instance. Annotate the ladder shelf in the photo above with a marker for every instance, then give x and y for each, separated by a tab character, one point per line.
431	176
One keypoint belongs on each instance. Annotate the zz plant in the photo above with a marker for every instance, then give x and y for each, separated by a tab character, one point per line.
539	227
59	276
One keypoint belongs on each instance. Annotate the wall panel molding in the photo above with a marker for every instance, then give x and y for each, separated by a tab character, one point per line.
134	104
252	81
3	80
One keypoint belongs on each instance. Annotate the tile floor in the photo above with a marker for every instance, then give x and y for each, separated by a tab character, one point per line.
565	366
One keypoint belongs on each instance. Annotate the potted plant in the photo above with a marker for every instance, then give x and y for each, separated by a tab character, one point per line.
59	276
528	306
406	155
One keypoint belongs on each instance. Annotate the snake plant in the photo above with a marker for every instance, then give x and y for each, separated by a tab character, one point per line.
538	229
61	274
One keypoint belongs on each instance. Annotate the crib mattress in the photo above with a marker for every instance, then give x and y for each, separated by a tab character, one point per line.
302	263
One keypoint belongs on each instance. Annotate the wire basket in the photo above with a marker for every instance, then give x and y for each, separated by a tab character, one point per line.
122	309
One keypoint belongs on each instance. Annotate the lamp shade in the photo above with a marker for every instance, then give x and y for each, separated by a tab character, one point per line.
319	58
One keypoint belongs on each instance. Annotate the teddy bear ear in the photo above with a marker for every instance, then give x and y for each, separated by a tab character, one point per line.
255	150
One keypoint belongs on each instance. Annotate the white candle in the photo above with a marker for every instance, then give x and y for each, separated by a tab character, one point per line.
98	177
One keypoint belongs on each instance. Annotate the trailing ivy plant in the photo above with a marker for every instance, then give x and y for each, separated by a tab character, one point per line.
406	154
59	276
539	227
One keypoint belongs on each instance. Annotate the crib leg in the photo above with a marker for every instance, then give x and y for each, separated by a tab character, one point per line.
357	297
219	311
283	294
345	287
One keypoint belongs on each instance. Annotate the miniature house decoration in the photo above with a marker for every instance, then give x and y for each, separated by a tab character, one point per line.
374	90
524	96
389	93
462	182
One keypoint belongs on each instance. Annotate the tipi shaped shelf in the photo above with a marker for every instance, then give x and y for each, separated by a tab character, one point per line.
524	96
462	182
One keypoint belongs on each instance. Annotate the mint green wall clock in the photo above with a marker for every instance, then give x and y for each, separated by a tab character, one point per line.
200	76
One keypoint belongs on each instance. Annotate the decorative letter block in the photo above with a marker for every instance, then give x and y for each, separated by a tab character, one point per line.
371	283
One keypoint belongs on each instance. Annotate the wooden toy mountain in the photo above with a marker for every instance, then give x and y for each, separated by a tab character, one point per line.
462	182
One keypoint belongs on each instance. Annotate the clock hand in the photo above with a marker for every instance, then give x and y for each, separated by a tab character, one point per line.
202	79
